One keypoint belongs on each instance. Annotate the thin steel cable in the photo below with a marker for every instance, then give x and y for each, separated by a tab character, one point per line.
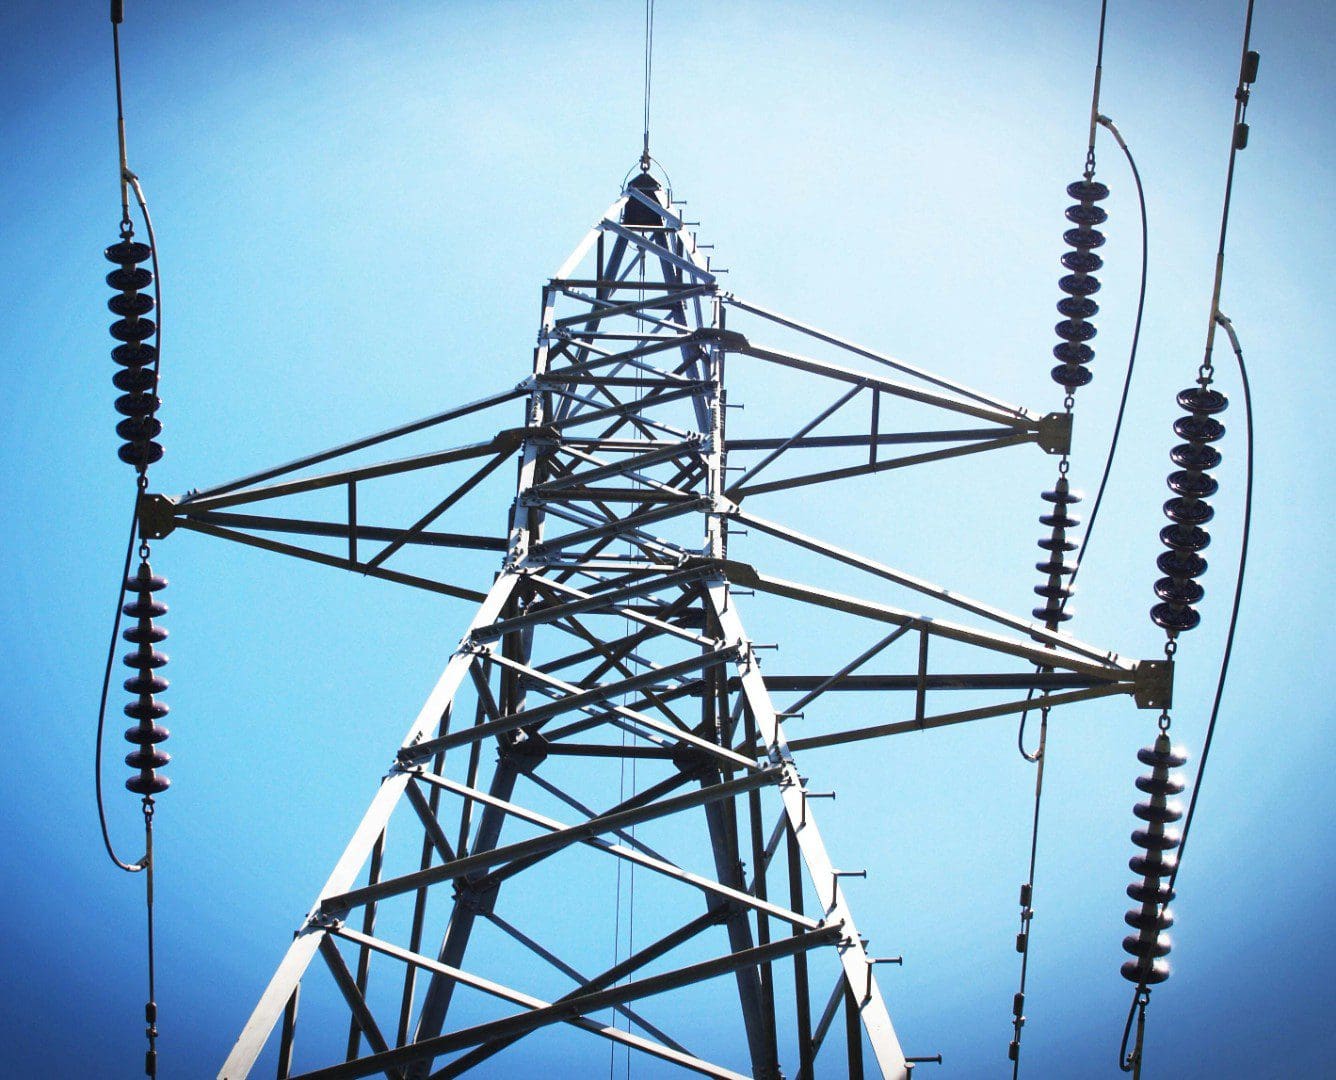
132	868
1094	94
649	77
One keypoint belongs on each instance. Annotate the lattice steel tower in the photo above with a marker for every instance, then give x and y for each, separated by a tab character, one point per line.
614	635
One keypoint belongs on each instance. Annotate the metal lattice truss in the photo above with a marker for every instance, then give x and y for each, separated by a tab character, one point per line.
612	637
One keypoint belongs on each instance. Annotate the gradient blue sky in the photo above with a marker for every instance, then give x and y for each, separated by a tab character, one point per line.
357	204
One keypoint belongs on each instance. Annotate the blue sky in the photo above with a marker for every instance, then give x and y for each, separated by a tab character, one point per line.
357	205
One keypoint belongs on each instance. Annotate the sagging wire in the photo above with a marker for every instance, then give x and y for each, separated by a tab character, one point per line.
649	77
1131	1061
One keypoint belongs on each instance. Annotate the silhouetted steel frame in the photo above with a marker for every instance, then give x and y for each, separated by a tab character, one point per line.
577	380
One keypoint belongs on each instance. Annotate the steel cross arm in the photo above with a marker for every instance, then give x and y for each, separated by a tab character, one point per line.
815	422
336	561
546	844
1021	420
884	438
1052	680
577	697
521	1023
335	530
709	886
868	354
503	443
738	492
591	601
519	391
303	948
1049	701
1107	667
881	570
516	997
853	957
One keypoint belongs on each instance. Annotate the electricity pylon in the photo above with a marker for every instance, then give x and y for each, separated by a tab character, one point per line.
613	638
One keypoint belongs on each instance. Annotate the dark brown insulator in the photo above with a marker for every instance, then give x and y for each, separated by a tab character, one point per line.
147	734
148	784
1145	972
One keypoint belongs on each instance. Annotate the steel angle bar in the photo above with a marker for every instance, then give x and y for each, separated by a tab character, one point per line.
588	240
816	421
738	492
335	530
652	250
520	1023
623	527
1050	701
546	844
813	442
841	677
671	220
607	528
615	284
557	962
1074	655
357	1005
430	825
871	566
504	443
519	391
631	466
868	354
303	948
655	622
661	866
516	997
628	412
339	562
591	601
638	308
1027	680
672	783
1019	419
871	1005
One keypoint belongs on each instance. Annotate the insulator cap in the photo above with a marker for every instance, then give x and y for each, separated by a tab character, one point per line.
148	784
1179	590
1201	399
1187	511
1070	376
128	252
1053	592
1087	190
1181	564
1078	307
145	660
1201	429
1074	330
137	404
1150	892
1174	619
147	734
1078	284
146	684
1059	520
146	709
1062	494
1073	352
1157	839
1052	613
1145	972
1156	784
1193	484
1153	864
1185	537
1163	754
1147	947
145	580
1154	811
134	380
1147	917
133	330
1083	262
139	428
131	305
1082	238
1055	543
134	354
140	454
130	278
143	608
1086	215
147	758
1197	456
144	634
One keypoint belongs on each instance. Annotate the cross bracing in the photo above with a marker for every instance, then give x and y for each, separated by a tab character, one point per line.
615	632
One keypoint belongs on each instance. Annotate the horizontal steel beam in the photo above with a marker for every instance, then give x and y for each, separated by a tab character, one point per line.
342	531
